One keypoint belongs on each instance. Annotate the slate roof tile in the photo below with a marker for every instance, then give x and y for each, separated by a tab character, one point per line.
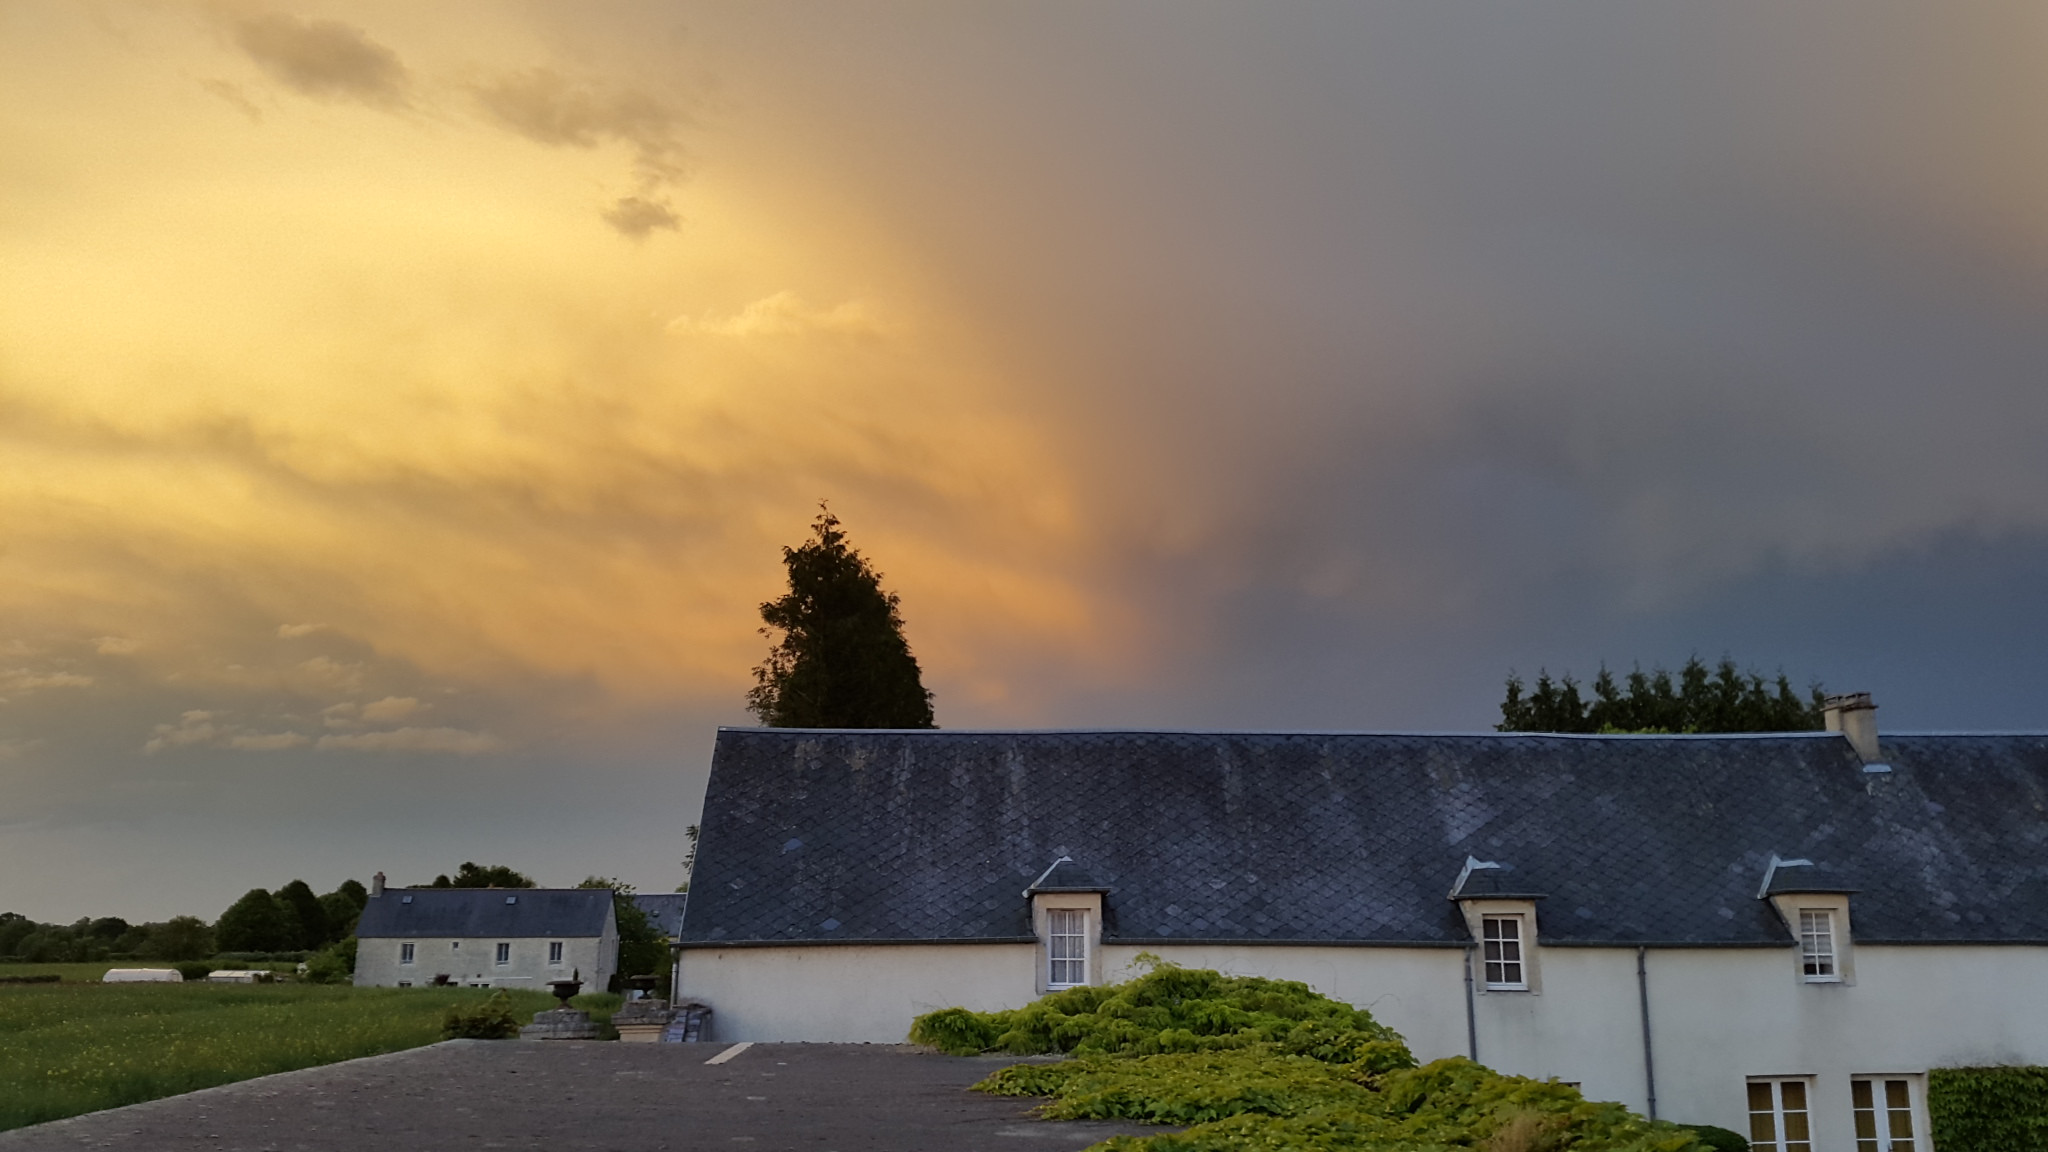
1357	838
471	913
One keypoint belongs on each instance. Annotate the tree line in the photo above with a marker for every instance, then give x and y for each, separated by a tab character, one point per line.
289	922
1697	700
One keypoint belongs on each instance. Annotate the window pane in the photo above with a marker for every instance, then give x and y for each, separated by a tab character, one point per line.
1795	1126
1895	1095
1795	1094
1763	1129
1760	1097
1859	1095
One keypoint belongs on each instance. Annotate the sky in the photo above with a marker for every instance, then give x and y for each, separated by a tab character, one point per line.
403	407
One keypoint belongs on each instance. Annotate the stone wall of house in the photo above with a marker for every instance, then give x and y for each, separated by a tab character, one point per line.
468	961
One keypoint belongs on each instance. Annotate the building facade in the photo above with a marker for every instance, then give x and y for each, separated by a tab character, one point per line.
1778	934
486	937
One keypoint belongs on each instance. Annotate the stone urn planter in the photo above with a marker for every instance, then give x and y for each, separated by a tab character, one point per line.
563	1023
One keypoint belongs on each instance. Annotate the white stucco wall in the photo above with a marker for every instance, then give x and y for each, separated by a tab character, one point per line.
1718	1016
475	961
851	992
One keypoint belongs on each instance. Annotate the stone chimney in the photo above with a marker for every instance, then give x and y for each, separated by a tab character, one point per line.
1853	715
377	881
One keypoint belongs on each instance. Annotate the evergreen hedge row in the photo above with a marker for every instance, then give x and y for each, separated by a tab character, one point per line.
1989	1109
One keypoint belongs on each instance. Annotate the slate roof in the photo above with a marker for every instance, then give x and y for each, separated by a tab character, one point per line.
485	912
823	836
664	910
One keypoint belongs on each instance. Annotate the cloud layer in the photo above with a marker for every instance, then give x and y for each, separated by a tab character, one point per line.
366	486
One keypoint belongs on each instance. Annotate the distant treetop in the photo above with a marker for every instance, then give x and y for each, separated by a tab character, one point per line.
1724	699
839	658
472	875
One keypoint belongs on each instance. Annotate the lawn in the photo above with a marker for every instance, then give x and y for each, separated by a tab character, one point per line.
76	1047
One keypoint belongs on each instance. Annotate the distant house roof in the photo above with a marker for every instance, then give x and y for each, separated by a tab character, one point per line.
477	912
664	910
826	836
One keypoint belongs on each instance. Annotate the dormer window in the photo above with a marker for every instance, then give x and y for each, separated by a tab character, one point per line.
1813	904
1499	906
1066	916
1067	947
1502	944
1817	946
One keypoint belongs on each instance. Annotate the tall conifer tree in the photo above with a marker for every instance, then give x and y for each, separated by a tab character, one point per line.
841	660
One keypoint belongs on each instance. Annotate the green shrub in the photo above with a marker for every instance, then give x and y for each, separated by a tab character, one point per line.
1989	1109
1171	1009
1719	1139
335	964
491	1020
1269	1064
194	970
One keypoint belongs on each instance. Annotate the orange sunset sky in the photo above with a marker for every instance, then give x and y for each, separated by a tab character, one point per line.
402	406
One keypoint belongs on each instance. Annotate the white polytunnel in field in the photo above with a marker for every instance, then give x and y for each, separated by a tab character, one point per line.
142	976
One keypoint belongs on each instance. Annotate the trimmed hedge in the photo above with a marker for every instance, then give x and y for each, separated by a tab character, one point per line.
1989	1109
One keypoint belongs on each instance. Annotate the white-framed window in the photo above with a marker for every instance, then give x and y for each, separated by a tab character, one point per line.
1883	1107
405	952
504	953
1501	943
1067	947
1777	1116
1817	946
555	953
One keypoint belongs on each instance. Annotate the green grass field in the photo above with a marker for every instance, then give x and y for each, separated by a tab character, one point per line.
79	1047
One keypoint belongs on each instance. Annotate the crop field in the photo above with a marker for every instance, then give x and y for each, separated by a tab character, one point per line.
71	1047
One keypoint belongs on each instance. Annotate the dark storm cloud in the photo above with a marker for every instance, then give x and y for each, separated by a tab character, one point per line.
323	58
1405	345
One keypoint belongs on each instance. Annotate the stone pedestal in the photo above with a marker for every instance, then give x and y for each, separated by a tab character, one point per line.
560	1024
642	1021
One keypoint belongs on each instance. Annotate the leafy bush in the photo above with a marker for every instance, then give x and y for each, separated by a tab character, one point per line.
333	965
1255	1063
491	1020
1989	1109
1719	1139
195	970
1171	1009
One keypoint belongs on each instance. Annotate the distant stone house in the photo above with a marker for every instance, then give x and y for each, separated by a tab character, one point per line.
1774	933
486	937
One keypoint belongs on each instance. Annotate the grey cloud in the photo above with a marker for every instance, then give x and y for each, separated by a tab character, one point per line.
546	107
323	58
234	96
637	216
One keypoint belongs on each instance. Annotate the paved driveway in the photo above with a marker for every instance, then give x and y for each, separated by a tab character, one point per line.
476	1094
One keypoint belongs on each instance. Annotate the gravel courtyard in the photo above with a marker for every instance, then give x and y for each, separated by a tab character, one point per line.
475	1094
